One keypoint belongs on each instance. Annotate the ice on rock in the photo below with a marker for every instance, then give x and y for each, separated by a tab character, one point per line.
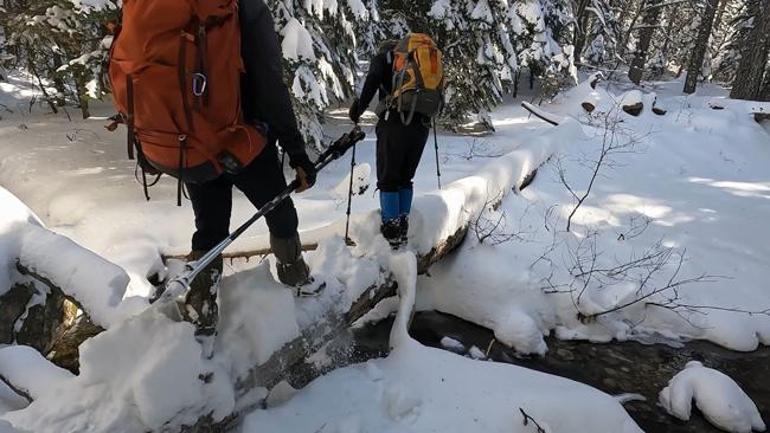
721	400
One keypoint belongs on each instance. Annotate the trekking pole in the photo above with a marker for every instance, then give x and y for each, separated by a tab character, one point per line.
435	143
350	196
181	283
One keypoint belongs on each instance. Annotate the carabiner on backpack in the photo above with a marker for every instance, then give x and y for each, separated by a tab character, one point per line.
199	82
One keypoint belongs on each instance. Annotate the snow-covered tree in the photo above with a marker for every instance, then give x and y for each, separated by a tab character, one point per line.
319	40
62	43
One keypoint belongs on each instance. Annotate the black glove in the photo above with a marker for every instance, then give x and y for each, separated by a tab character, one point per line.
353	112
306	172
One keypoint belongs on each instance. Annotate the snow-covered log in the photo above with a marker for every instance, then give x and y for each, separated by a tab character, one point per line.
46	278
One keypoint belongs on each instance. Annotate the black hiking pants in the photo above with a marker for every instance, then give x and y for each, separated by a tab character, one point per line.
260	181
399	149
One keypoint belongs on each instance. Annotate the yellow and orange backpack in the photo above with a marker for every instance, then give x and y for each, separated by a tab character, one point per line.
418	77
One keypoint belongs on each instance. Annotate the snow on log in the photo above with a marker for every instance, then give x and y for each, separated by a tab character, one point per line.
28	248
28	373
93	283
542	114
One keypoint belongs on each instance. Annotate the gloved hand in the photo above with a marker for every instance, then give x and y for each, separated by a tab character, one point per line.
306	172
354	112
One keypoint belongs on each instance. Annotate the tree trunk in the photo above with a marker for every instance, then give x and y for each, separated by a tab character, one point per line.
82	94
765	96
649	22
701	44
581	28
751	70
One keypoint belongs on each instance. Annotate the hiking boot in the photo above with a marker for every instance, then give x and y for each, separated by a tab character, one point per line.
200	304
403	227
391	231
292	269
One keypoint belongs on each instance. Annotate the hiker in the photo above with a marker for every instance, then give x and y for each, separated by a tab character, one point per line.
265	98
241	154
404	122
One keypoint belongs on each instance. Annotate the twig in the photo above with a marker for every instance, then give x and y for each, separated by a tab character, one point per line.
528	418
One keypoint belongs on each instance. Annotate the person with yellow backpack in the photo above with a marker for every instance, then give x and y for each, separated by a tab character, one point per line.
409	76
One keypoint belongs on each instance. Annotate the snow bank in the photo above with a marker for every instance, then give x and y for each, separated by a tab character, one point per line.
96	284
692	185
419	389
29	372
720	399
145	374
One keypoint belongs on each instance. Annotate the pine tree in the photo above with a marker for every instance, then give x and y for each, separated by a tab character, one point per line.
651	11
58	42
749	77
319	45
701	45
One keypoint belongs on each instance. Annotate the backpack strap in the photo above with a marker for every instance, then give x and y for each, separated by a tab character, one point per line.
131	133
182	78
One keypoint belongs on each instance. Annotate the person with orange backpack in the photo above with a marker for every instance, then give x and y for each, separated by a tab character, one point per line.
409	76
200	87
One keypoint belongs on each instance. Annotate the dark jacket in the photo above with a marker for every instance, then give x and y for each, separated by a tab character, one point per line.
378	79
265	97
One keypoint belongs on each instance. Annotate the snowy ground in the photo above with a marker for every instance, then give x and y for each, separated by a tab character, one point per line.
695	185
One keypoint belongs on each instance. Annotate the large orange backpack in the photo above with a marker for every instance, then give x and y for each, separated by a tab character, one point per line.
418	77
175	69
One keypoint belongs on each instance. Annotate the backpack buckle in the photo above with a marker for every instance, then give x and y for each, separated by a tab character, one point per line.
199	82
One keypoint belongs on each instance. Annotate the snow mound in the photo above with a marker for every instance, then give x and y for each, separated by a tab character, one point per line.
419	389
721	400
29	371
145	374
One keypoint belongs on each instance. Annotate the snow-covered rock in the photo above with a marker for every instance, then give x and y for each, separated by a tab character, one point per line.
720	399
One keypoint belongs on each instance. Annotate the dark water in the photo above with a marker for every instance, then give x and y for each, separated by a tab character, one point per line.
614	368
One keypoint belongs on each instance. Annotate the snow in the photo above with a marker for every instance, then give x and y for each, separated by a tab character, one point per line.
450	343
27	370
297	43
697	179
693	185
142	375
9	400
15	213
96	284
418	389
718	397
